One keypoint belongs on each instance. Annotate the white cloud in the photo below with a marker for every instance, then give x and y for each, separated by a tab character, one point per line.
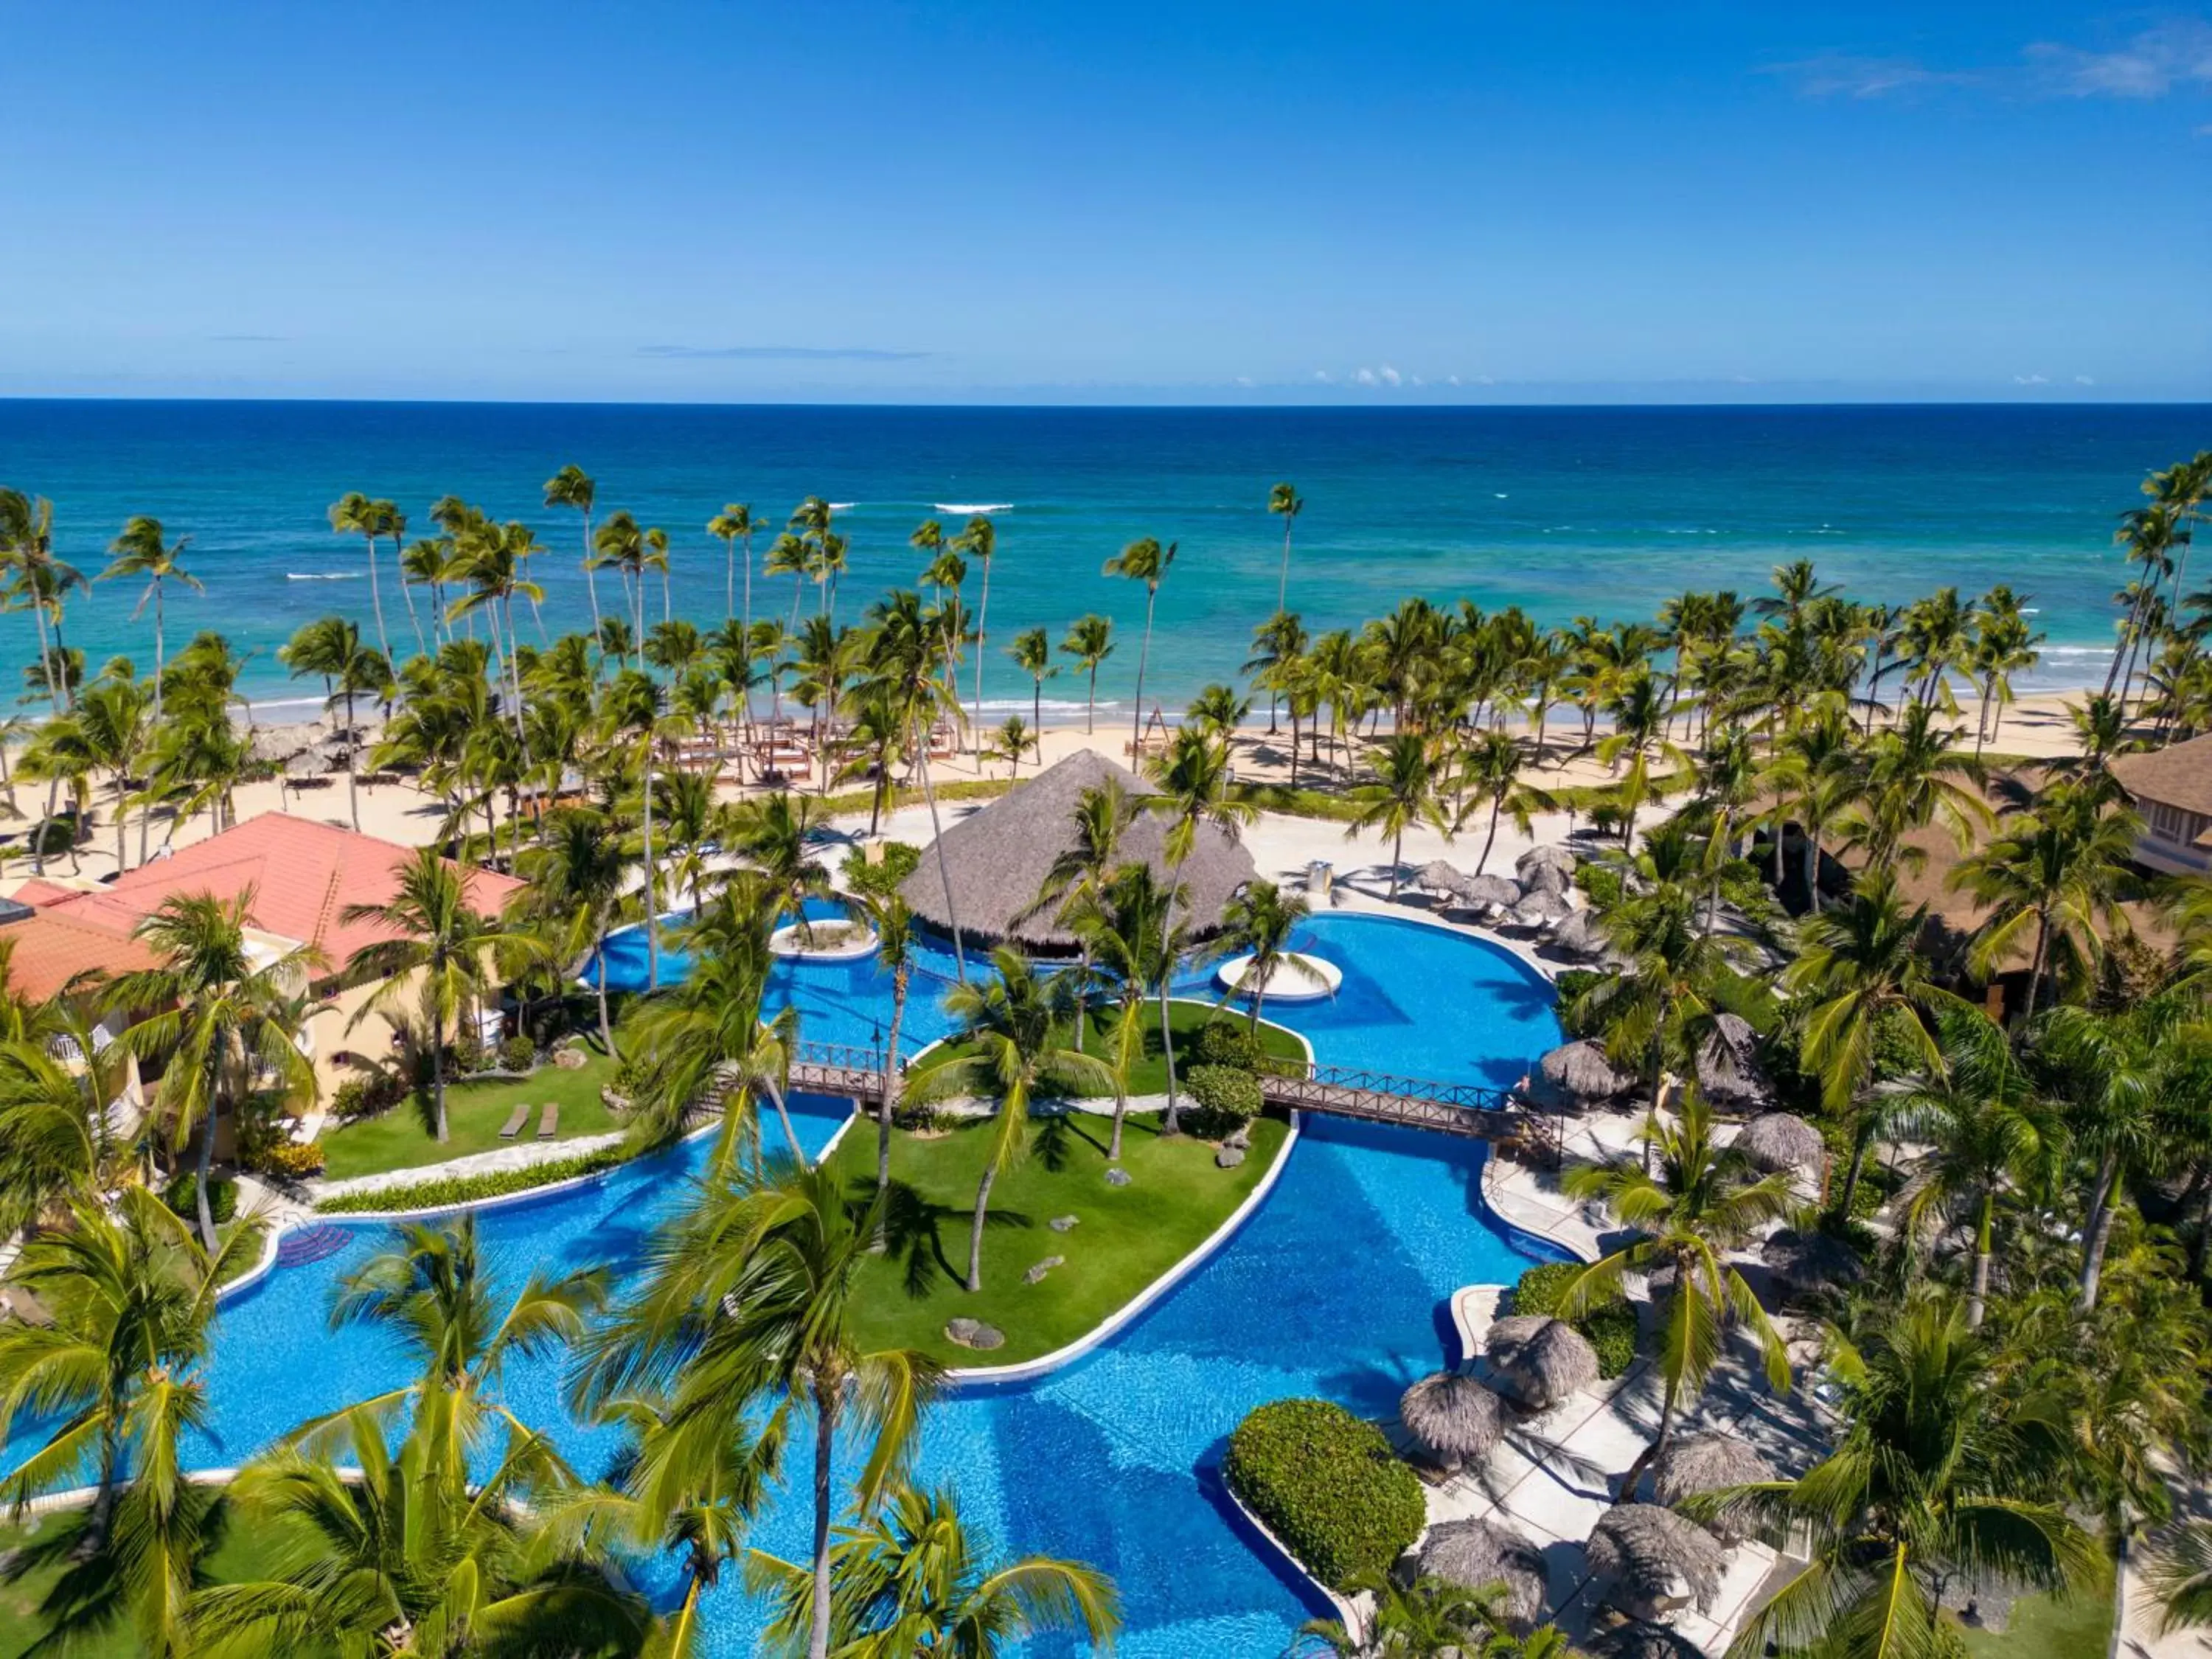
1244	379
2085	379
1845	75
1451	380
2149	65
2031	380
1418	381
1483	379
1324	377
1389	375
1364	377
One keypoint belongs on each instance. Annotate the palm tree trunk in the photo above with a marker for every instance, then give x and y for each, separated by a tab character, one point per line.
102	1518
1144	654
1497	803
825	1442
976	1229
2097	1232
438	1066
1984	1228
1862	1138
652	894
889	1105
1397	858
206	1162
783	1118
1655	1454
591	577
944	873
1172	1123
982	618
353	769
376	598
2036	965
1091	708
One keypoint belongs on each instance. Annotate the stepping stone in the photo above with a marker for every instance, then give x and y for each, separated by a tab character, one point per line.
974	1333
1064	1224
1117	1176
1036	1274
1229	1158
1241	1139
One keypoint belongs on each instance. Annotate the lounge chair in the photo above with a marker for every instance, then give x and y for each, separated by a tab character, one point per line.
515	1119
549	1120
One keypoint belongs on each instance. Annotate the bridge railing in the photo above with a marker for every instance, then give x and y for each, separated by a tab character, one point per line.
1362	1080
837	1056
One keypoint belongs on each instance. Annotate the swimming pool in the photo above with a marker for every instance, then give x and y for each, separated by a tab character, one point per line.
1336	1286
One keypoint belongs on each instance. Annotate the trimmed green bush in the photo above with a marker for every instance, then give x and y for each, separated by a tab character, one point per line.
1224	1100
182	1199
1608	1322
879	880
518	1053
1228	1042
364	1097
453	1190
1328	1484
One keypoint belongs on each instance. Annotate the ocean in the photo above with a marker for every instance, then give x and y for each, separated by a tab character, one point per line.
1603	511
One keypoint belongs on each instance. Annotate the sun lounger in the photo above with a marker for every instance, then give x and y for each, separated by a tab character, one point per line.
549	1120
515	1119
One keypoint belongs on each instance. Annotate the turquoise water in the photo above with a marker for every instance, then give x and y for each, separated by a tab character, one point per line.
1337	1285
1562	511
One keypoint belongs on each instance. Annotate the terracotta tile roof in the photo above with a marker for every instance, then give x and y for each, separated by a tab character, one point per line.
45	953
2178	777
303	875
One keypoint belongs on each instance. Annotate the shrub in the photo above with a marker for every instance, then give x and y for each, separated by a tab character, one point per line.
289	1160
181	1197
1601	882
365	1097
1227	1042
517	1054
454	1190
1224	1100
1571	986
1326	1484
881	879
1608	1321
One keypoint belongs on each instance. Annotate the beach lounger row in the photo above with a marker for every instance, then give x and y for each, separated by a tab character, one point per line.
549	1121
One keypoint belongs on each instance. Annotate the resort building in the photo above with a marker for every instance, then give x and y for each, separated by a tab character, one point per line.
2173	790
999	858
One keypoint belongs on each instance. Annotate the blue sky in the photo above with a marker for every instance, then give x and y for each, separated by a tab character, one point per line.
1047	202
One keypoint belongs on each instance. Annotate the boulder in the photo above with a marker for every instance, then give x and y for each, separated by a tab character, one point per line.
974	1333
1117	1176
1229	1158
1037	1273
570	1059
1064	1224
1240	1138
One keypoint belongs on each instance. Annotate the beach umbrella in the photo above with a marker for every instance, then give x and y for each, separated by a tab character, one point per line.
1452	1419
1781	1140
1551	857
1479	1555
306	763
1437	877
1582	934
1533	917
1729	1072
1576	1075
1660	1562
1699	1463
1543	902
1546	877
1538	1360
1811	1261
1642	1641
1490	889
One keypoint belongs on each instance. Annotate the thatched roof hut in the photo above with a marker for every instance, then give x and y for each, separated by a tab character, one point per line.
1547	878
1660	1562
1583	934
1542	902
1729	1072
1490	889
1576	1075
1455	1418
1782	1140
1477	1554
1642	1641
1437	877
306	763
1707	1462
1811	1261
999	857
1540	1360
1551	857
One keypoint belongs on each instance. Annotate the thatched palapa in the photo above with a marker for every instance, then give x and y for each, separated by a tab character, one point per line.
1576	1075
1729	1072
1477	1555
1540	1360
1456	1420
1490	889
1000	856
1644	1641
1437	877
1660	1562
1782	1140
1542	902
1699	1463
1547	878
1811	1261
1583	934
1551	857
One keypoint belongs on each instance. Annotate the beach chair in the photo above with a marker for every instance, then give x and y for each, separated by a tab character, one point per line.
515	1119
549	1120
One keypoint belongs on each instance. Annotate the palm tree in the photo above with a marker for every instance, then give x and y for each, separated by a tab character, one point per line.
2061	867
907	667
1915	776
892	923
734	524
2179	1570
573	487
1432	1618
913	1580
775	833
1940	1472
1285	503
437	933
27	542
1142	561
1090	641
1102	816
778	1250
145	549
980	541
1013	1026
113	1380
1124	922
332	647
1407	791
1260	920
355	514
1490	775
1009	741
1702	1201
1863	975
1191	783
1032	654
577	877
228	1025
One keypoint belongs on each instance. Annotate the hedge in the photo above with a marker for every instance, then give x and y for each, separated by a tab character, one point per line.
454	1190
1326	1484
182	1197
879	880
1607	1320
1224	1099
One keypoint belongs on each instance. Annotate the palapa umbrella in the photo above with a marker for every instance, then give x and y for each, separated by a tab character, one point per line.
1553	856
1530	915
1453	1417
1729	1072
1576	1075
1549	878
307	764
1540	1360
1708	1462
1545	903
1582	934
1811	1261
1782	1140
1660	1562
1477	1555
1437	877
1642	1641
1490	889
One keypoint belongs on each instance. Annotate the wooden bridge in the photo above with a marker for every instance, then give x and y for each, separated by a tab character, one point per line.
1455	1108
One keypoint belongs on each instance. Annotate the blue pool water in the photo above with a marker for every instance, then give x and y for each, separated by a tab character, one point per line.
1336	1286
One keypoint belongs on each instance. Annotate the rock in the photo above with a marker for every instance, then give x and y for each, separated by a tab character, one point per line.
1229	1158
569	1059
1064	1224
1117	1176
974	1333
1241	1138
1037	1273
614	1103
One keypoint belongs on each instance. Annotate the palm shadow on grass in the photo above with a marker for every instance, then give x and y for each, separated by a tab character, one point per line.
91	1596
914	1227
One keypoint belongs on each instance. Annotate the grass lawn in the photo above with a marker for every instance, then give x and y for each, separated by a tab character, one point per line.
1152	1072
240	1553
474	1113
1128	1236
2042	1628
